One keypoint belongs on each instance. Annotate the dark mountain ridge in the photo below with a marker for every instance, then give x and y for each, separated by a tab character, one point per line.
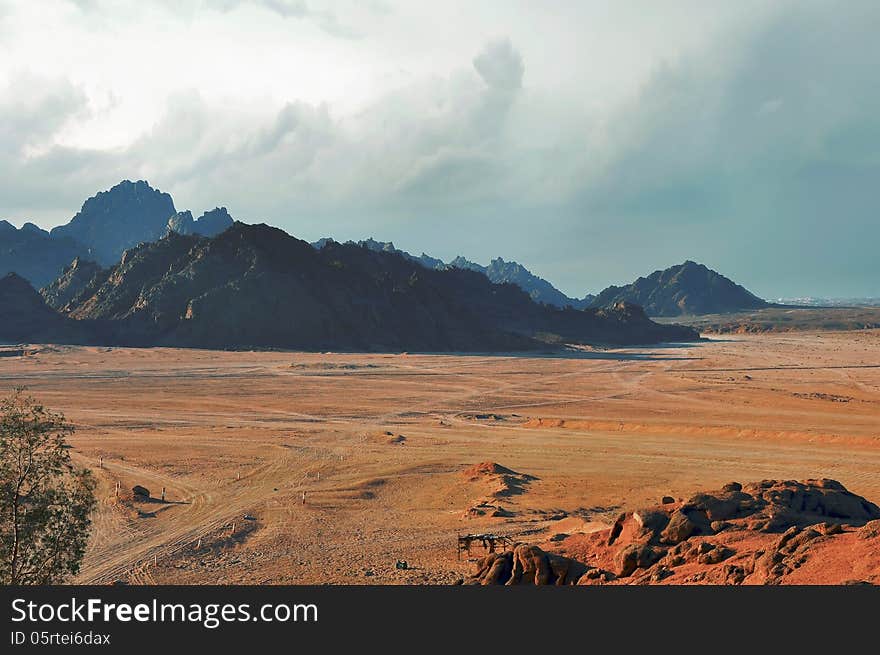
686	289
26	317
256	286
498	271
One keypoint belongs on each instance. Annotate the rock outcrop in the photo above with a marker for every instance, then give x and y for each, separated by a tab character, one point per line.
209	224
768	532
527	565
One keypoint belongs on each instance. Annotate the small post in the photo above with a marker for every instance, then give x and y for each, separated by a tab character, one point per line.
101	464
233	528
458	546
304	498
117	488
163	494
155	560
319	476
199	545
238	474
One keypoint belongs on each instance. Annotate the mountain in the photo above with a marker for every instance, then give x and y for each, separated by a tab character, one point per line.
539	289
498	271
114	220
686	289
208	224
256	286
33	254
387	246
26	317
73	279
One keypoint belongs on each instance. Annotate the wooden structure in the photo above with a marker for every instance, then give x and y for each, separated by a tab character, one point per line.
489	542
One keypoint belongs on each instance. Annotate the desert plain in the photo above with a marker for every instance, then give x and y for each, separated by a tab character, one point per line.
310	468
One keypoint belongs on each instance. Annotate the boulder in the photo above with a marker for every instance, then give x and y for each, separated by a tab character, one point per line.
715	554
616	529
729	574
494	569
870	530
724	506
530	566
632	557
789	502
651	521
527	565
719	526
680	527
595	577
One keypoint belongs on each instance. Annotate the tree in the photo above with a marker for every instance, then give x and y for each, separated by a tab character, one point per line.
45	501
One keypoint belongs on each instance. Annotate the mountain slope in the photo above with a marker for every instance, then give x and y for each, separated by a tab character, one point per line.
498	271
117	219
686	289
26	317
256	286
70	283
539	289
31	253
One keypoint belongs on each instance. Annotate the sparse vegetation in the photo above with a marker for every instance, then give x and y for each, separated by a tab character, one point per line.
45	501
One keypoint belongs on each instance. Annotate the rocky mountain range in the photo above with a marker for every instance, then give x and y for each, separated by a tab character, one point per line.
686	289
539	289
123	265
498	271
256	286
107	224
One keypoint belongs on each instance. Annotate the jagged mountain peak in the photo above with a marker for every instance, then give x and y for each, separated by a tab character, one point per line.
116	219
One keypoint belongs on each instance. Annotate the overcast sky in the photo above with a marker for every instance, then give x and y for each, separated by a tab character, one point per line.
591	141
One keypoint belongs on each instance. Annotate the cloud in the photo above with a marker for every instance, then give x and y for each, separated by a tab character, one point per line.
299	9
761	151
500	66
34	110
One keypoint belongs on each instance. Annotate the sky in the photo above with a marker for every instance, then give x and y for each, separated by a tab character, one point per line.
591	141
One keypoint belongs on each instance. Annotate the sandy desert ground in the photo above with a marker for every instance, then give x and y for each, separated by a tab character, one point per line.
379	444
